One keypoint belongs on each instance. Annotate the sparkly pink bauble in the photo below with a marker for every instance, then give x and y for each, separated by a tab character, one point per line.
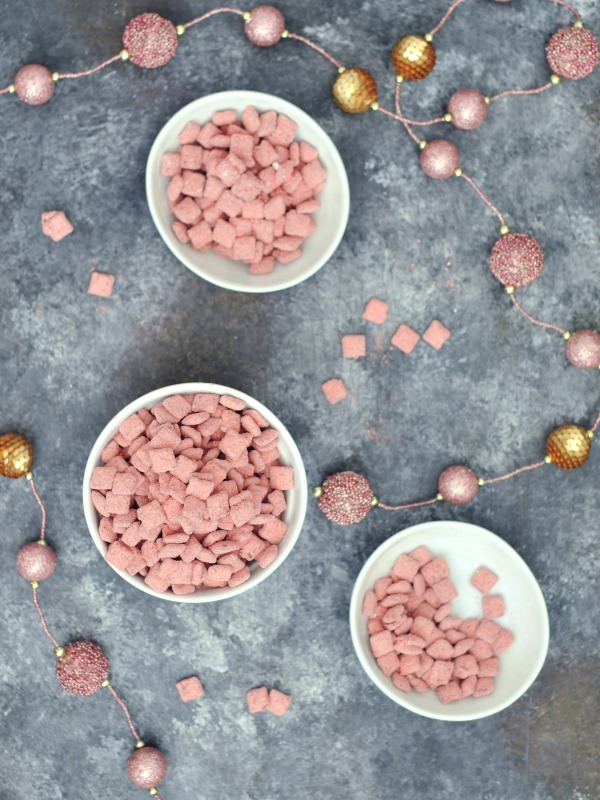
458	485
468	109
34	84
147	767
36	562
150	40
265	26
573	53
347	498
516	259
583	349
82	669
439	159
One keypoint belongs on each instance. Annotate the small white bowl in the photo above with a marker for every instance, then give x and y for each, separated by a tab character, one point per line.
331	218
296	498
465	547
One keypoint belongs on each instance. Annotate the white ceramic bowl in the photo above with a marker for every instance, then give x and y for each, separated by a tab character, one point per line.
296	498
331	218
465	547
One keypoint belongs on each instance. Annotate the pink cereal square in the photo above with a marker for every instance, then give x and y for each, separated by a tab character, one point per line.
244	248
493	606
388	663
250	119
162	460
313	174
307	152
436	334
181	231
118	554
257	699
247	187
422	555
170	164
101	284
488	630
102	478
200	235
223	233
281	478
190	133
481	650
405	339
483	687
334	390
405	568
435	570
467	686
242	145
503	641
275	208
229	169
445	590
190	689
376	311
449	693
440	673
489	667
484	580
354	345
56	225
193	183
187	211
278	702
223	118
382	643
465	666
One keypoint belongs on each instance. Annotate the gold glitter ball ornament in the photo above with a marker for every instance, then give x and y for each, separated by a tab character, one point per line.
355	90
16	455
569	446
413	57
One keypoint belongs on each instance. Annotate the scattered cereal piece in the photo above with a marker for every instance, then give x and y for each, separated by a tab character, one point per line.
405	339
354	346
258	699
493	606
190	689
278	702
436	334
484	580
334	390
56	225
101	284
376	311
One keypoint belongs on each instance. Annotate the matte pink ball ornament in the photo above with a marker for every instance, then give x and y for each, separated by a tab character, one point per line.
439	159
147	767
573	53
265	26
150	40
458	485
468	108
34	84
516	259
583	349
345	497
36	562
82	669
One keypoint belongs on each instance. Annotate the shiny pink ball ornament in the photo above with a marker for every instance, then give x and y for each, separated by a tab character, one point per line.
265	26
458	485
345	497
36	562
573	53
516	259
147	767
34	84
439	159
583	349
468	109
83	668
150	40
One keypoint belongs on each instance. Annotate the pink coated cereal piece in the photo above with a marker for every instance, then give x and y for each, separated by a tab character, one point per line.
121	522
417	684
106	531
287	244
265	154
440	673
191	156
257	699
449	693
253	210
242	145
217	505
454	636
268	120
442	649
102	478
101	284
450	623
467	686
239	577
56	225
223	233
393	600
423	627
221	118
313	173
442	612
484	580
393	616
124	483
436	334
278	229
111	450
334	390
118	554
247	187
354	346
190	689
170	164
187	211
273	531
409	644
205	402
278	702
219	573
284	131
267	556
421	553
174	189
493	606
503	641
307	152
233	403
229	169
487	630
463	646
425	610
150	551
162	460
309	206
401	682
382	643
181	231
469	626
297	224
405	568
409	664
213	188
404	626
381	586
287	256
201	235
184	468
375	625
481	650
430	596
282	478
426	664
483	687
221	141
405	339
295	153
233	445
413	602
175	571
117	503
244	248
190	133
154	580
251	119
192	550
193	183
435	571
152	514
369	603
489	667
275	209
171	551
399	587
183	588
388	663
166	435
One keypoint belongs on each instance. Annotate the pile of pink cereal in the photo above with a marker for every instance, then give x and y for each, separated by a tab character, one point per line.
244	188
191	492
416	640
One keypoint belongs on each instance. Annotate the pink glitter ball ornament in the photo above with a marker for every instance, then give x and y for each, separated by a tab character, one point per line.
150	40
439	159
516	259
147	767
36	562
34	84
83	668
265	26
346	498
583	349
458	485
468	109
573	53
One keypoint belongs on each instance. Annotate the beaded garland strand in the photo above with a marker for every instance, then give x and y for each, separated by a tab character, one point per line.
151	41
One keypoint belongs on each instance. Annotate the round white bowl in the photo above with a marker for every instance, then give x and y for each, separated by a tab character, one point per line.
296	498
465	547
331	218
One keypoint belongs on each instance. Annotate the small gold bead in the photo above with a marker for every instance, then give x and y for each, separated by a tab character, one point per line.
481	481
181	29
29	476
422	144
428	37
246	16
458	172
139	744
341	70
124	55
504	229
566	336
548	460
317	491
509	290
59	651
375	106
439	497
555	79
578	23
374	502
487	100
285	34
448	117
11	88
43	542
55	77
105	683
591	434
399	79
35	585
153	791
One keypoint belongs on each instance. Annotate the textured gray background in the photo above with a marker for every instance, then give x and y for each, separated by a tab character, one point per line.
488	398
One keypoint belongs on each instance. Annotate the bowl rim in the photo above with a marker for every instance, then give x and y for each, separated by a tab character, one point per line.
151	398
383	683
248	97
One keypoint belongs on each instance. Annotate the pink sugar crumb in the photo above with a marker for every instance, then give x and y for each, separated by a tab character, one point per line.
56	225
405	339
101	284
436	334
190	689
376	311
484	580
354	345
334	390
257	699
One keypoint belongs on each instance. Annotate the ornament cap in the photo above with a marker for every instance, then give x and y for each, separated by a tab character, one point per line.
124	55
59	651
458	172
12	88
448	117
504	229
567	335
439	497
105	683
139	744
555	79
181	29
35	585
317	492
481	481
509	290
246	16
422	144
578	23
428	37
374	502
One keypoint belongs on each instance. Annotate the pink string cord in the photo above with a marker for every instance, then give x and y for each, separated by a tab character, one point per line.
224	10
569	6
43	619
408	505
316	47
596	424
400	116
63	75
518	92
41	505
4	91
481	195
512	474
126	712
446	16
535	321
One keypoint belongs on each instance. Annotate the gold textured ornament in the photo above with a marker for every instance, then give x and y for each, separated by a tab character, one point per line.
413	57
569	446
355	90
16	455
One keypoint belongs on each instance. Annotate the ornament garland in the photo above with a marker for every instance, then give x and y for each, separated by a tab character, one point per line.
150	41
